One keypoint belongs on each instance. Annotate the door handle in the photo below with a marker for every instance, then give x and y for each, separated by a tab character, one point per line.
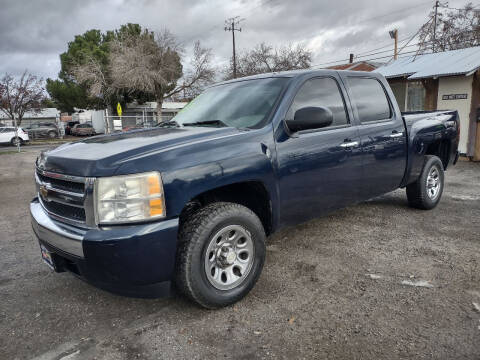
351	144
396	135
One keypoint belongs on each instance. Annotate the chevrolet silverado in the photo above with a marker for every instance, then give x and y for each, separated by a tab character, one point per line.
188	205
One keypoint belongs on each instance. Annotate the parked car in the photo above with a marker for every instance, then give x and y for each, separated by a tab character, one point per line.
8	136
43	129
191	202
69	127
133	127
83	130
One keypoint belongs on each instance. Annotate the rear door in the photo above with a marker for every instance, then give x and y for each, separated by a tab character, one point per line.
382	135
319	170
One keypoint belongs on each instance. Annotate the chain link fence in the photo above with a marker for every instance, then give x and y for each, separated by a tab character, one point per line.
114	123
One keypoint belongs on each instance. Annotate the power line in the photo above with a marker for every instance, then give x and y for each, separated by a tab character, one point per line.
394	12
458	9
413	37
383	47
429	43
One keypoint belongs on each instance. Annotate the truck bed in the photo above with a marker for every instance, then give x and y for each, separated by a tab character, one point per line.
427	130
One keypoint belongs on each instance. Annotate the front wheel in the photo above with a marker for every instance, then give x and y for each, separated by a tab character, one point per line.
425	193
52	134
221	254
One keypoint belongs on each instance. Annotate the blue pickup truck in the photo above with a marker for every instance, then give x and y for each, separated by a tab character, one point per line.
188	205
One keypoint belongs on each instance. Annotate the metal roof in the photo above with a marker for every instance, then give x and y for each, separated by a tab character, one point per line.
45	113
447	63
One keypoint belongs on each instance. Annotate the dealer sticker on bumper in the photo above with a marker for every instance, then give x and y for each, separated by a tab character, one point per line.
47	257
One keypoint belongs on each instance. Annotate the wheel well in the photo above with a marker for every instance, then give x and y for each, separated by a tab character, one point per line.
441	149
251	194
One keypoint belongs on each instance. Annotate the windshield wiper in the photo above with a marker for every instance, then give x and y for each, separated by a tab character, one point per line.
206	122
168	123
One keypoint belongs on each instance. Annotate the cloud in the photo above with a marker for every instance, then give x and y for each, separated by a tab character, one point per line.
34	32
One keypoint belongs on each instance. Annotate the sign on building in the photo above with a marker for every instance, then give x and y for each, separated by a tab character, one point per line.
455	97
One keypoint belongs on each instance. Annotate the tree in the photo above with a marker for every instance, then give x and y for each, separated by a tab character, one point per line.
18	96
456	29
92	46
147	63
265	58
68	95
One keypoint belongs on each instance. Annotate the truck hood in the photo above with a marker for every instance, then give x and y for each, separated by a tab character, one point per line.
102	155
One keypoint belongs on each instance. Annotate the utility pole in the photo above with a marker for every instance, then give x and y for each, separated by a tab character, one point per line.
394	36
437	4
230	26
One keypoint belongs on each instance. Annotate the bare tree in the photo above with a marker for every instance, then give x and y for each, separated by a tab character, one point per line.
265	58
92	73
18	96
456	29
152	64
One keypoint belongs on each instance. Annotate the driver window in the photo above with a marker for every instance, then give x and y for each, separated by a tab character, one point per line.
320	92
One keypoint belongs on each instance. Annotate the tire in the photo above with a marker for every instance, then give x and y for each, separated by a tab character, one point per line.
52	134
14	141
199	250
423	194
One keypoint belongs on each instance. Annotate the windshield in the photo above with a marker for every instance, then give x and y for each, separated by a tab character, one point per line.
241	104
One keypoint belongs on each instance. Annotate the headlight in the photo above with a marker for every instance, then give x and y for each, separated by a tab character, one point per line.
129	198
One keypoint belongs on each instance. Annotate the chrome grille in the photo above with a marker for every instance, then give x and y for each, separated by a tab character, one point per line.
70	212
66	198
63	184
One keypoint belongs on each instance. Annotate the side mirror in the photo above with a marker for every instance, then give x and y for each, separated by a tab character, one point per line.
309	118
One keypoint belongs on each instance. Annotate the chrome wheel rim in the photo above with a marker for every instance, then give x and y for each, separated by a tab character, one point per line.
229	257
433	183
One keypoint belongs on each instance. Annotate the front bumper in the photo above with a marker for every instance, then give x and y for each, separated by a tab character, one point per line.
135	260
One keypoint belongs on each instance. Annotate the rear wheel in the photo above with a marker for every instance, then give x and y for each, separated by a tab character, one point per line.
427	191
221	254
52	134
16	141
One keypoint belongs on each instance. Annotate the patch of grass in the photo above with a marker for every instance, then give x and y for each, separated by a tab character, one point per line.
11	152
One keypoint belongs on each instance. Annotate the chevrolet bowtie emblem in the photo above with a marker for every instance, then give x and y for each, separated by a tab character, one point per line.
44	192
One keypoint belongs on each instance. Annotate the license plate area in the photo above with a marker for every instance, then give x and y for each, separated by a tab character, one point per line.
47	257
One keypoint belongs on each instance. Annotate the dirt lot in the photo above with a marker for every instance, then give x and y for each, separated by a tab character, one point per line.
331	288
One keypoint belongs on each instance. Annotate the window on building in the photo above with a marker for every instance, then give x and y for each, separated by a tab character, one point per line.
369	98
399	91
415	96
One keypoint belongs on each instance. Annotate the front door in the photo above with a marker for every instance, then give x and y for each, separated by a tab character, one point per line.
5	135
319	169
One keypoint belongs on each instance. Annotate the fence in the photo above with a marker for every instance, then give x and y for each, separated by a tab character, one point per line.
127	122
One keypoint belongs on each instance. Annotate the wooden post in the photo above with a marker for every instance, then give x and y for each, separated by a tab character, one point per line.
395	51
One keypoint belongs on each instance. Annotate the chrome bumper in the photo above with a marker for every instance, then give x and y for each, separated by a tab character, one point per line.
61	236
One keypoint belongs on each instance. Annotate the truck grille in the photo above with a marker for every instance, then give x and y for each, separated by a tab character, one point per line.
66	211
63	184
64	197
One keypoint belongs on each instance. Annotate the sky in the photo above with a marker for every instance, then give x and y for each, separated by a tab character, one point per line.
33	33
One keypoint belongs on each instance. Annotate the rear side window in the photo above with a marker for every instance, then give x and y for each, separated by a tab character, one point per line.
320	92
369	98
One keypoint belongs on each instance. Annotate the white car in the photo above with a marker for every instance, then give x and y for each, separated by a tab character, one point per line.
7	135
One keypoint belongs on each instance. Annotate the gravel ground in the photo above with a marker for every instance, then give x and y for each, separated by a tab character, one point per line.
331	288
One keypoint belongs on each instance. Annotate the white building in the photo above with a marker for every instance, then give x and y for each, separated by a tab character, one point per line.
51	115
447	80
